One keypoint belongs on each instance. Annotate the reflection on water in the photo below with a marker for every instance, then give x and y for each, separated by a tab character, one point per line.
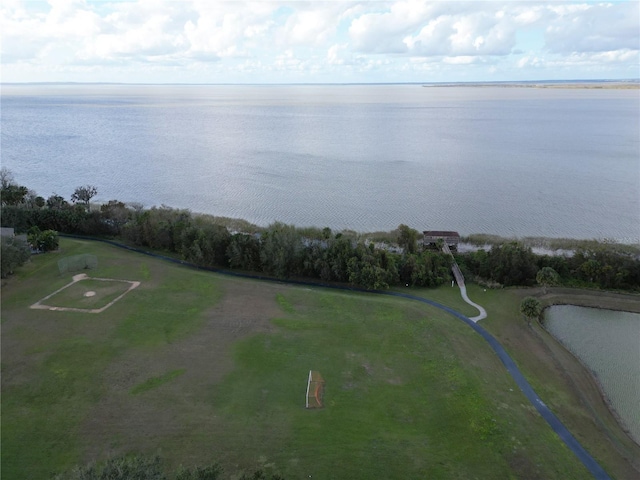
511	162
608	343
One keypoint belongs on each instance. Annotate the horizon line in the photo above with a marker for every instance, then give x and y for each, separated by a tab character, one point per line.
471	82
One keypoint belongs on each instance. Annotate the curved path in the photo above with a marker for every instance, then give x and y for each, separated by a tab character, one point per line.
465	297
457	274
554	422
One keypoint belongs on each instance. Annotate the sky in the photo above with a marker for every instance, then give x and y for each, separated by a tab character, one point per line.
335	41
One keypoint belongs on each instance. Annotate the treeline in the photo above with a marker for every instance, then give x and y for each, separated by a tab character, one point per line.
279	250
287	252
513	264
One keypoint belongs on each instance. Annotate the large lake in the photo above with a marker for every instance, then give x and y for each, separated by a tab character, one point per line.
509	161
608	343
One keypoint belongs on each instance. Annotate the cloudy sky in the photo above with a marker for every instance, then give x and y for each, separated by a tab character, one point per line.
209	41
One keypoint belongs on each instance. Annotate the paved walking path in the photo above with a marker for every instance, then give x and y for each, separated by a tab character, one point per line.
463	289
465	297
554	422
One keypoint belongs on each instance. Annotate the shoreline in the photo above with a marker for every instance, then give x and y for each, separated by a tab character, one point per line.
569	84
603	393
590	392
546	245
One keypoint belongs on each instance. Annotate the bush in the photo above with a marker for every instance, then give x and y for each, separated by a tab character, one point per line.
14	253
43	241
531	308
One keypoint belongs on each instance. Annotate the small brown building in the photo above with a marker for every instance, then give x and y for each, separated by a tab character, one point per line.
431	237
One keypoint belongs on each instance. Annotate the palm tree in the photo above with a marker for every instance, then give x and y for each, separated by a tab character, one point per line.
531	308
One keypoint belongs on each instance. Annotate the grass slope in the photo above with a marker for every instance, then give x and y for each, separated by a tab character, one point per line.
201	368
53	362
564	384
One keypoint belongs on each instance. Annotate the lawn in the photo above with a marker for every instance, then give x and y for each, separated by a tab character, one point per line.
86	294
564	384
200	367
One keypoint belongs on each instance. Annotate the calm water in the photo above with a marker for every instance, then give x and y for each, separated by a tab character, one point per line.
608	343
509	161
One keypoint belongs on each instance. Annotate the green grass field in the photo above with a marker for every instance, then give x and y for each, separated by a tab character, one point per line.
200	368
88	293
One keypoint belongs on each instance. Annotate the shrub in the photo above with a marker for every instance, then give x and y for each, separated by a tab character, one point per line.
14	253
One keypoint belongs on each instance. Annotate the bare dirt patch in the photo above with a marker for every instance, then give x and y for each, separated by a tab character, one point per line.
122	421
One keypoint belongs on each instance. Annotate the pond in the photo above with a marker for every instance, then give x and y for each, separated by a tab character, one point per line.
608	343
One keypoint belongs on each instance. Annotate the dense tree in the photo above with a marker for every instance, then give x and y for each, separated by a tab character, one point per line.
426	269
132	231
205	244
159	228
13	194
559	263
366	273
243	252
116	214
315	262
14	253
33	200
591	269
606	268
531	308
372	269
10	192
512	264
57	202
407	238
599	266
339	252
72	220
474	264
547	277
281	250
84	194
93	223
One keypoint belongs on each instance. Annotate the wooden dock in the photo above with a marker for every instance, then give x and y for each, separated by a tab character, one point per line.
457	273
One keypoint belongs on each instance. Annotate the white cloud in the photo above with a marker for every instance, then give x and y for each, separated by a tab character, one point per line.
310	27
595	28
460	60
626	60
384	31
333	40
339	54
